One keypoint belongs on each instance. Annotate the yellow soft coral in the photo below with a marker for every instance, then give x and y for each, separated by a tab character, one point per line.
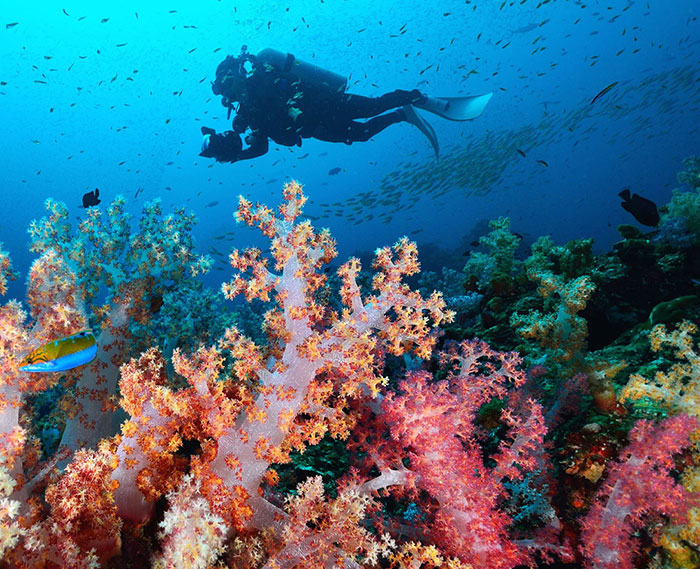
561	330
678	391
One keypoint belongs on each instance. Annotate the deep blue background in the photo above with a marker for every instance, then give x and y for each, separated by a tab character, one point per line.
143	104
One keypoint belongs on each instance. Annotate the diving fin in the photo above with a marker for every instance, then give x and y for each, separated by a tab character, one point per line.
415	119
456	108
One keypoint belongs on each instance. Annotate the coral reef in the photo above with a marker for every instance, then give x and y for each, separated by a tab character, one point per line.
360	422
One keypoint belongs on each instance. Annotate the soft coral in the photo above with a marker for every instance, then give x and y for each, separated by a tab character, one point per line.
638	486
435	422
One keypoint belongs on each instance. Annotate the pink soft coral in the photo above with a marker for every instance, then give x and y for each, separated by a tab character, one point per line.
638	486
435	422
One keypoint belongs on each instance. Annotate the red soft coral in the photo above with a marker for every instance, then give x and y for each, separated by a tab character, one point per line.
637	487
435	422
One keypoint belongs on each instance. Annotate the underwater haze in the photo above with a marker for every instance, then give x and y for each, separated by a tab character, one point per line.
112	96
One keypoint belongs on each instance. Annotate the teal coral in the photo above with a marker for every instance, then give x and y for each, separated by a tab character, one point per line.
691	175
560	328
498	263
682	213
571	260
105	254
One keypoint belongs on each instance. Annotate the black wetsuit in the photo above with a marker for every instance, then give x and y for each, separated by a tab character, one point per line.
281	107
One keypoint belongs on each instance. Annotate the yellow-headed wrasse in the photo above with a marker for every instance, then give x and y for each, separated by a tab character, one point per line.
63	354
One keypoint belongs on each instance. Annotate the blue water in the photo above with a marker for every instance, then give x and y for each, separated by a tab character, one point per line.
80	110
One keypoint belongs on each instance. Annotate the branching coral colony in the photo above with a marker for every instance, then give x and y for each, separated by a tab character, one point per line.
190	479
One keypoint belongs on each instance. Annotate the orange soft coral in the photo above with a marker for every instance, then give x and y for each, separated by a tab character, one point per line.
147	466
317	361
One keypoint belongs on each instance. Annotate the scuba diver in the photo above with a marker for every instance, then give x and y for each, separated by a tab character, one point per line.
284	99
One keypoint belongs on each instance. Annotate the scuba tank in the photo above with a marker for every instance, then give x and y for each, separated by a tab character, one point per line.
307	72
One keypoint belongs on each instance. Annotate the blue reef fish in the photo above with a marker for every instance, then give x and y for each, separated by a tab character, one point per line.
62	354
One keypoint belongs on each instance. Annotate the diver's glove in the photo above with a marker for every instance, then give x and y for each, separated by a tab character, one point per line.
224	147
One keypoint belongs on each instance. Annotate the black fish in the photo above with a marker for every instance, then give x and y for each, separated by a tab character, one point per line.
603	92
334	171
91	198
156	303
643	210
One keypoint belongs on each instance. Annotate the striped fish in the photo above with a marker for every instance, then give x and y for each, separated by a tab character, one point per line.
63	354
